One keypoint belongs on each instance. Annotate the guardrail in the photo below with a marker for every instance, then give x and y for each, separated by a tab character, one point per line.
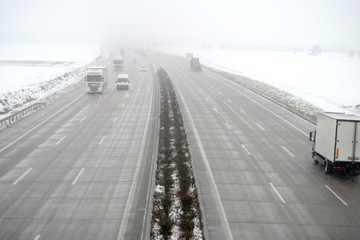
10	120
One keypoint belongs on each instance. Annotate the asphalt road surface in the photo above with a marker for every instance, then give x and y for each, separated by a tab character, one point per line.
82	167
253	164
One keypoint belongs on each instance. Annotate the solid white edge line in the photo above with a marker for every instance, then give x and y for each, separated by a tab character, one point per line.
277	193
338	197
61	139
287	150
37	237
77	176
237	85
131	196
16	140
22	176
244	147
220	206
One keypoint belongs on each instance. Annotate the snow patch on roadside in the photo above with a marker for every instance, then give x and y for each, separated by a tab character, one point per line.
329	81
34	73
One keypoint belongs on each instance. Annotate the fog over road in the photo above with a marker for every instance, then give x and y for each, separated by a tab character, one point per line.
253	162
82	167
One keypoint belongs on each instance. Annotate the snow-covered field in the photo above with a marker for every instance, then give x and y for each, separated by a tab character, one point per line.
330	81
29	72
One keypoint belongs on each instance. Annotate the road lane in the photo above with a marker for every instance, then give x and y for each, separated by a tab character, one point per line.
253	166
82	162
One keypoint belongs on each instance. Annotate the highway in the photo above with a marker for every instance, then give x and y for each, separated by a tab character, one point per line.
253	164
82	167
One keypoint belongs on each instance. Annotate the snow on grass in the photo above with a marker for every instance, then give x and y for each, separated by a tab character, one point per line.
329	81
31	72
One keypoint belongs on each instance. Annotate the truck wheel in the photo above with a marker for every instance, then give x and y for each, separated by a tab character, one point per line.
327	167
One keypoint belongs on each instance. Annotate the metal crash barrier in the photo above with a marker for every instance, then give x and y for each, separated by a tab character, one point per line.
10	120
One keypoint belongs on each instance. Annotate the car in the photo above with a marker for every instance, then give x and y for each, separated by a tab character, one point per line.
143	69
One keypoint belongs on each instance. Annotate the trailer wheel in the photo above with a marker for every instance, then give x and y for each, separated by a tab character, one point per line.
327	167
316	162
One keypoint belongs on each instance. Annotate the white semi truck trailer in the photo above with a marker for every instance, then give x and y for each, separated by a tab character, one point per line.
336	143
96	79
118	62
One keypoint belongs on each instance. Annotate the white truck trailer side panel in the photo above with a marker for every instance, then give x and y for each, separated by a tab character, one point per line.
325	136
345	141
357	143
337	137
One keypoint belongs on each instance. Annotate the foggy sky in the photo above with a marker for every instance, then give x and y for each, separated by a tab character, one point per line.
249	22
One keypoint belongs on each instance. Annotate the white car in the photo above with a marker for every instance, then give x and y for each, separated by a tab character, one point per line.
143	69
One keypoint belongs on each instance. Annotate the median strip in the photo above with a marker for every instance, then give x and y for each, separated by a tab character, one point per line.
176	210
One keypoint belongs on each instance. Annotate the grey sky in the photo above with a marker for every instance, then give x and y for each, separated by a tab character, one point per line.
257	22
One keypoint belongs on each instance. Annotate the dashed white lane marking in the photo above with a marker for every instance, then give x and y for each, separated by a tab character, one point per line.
223	217
37	237
102	139
244	147
77	176
61	139
286	150
82	119
115	118
228	125
235	86
22	176
243	112
277	193
229	100
338	197
16	140
261	127
216	110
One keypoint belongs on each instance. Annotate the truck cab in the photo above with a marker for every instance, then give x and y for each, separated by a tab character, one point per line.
96	79
195	64
122	81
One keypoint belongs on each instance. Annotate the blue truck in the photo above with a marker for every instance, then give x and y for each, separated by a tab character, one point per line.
195	64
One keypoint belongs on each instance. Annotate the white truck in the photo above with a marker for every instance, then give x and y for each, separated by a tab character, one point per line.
122	81
96	79
118	62
336	143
